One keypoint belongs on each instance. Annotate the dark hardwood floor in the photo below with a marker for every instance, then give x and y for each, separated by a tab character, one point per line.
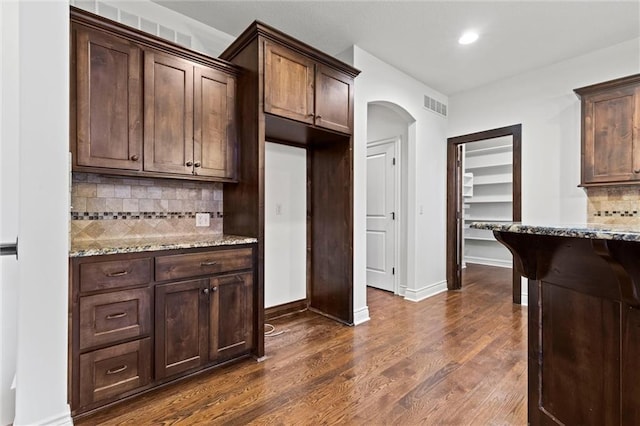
458	358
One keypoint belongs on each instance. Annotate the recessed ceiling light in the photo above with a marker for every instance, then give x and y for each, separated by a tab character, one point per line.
468	37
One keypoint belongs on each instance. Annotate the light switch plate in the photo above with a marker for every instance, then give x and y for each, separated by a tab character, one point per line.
202	219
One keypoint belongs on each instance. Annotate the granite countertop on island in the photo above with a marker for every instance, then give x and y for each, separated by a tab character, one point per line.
137	245
588	231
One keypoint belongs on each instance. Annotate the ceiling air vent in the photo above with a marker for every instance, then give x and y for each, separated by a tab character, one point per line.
435	106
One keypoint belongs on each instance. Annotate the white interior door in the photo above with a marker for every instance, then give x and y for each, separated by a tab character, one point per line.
381	215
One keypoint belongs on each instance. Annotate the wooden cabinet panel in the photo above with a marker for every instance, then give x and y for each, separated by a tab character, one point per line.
109	317
109	372
180	326
168	114
214	136
572	354
231	316
288	83
206	263
108	101
334	99
611	132
114	274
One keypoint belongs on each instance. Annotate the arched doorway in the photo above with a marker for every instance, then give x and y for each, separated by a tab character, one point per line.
390	135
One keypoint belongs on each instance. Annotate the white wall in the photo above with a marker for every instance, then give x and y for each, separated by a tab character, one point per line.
43	179
544	102
426	170
9	93
285	229
384	123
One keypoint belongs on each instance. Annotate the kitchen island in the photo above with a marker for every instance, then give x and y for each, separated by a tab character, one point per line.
583	321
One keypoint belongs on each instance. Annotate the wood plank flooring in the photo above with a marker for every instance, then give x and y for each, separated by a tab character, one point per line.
458	358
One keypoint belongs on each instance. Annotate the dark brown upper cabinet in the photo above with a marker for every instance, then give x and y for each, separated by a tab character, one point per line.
109	109
611	132
125	81
189	118
299	88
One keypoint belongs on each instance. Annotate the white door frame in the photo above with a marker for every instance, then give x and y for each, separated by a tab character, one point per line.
396	140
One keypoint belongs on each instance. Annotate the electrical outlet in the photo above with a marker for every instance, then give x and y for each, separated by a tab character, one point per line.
202	219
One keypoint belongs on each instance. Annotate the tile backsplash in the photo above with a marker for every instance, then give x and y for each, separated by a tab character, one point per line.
619	205
105	207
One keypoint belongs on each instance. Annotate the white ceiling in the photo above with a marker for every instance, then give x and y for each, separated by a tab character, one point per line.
420	37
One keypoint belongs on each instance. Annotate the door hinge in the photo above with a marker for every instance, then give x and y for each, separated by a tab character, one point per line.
393	271
394	161
393	215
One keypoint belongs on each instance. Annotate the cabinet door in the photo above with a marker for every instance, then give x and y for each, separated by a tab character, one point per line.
288	84
168	114
334	99
181	326
214	136
611	152
108	102
231	316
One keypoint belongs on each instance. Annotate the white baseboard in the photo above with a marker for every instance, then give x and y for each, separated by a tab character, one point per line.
426	291
61	419
361	315
489	261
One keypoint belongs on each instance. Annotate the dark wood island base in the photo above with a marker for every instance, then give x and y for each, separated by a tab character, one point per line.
584	322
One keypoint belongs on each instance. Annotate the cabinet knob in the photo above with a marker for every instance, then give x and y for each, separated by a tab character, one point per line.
189	164
205	291
134	158
196	164
318	117
214	288
309	115
636	171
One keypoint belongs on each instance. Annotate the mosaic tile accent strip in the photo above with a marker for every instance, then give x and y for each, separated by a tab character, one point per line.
138	215
607	213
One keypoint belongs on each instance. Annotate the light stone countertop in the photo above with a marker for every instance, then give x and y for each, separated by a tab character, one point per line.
137	245
588	231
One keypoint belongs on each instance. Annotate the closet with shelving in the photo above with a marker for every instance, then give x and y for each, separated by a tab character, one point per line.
487	197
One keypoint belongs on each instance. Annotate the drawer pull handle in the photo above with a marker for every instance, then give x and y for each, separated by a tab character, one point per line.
118	315
117	369
208	263
117	274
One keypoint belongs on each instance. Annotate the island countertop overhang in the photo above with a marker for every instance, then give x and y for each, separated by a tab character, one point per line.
587	231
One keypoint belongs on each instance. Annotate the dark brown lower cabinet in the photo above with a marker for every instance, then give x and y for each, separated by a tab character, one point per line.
202	321
143	319
108	372
231	316
181	334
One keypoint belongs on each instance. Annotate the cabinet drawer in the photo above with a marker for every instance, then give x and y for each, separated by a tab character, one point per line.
197	264
108	372
114	274
109	317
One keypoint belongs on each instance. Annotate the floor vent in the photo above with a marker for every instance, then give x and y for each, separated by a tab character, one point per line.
113	13
435	106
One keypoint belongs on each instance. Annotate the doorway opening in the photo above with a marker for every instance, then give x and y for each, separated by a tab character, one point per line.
389	140
483	185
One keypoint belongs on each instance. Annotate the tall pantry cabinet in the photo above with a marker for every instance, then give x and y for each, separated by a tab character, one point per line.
302	97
